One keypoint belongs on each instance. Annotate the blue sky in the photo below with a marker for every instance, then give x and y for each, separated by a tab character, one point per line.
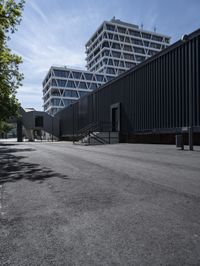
54	32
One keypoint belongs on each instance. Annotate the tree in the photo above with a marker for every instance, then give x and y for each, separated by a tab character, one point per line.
5	128
10	76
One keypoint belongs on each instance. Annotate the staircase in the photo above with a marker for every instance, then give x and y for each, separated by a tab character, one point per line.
96	134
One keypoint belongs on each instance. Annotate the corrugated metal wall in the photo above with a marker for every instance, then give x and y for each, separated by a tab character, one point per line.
155	96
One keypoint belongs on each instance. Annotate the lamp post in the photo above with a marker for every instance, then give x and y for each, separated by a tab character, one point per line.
52	129
73	123
185	39
19	130
190	130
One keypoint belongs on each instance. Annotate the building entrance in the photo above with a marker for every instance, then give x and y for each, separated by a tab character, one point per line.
115	117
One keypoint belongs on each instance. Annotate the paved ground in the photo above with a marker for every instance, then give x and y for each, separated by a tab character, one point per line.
126	204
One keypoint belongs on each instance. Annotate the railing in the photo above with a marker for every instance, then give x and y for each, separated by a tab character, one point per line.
88	131
83	132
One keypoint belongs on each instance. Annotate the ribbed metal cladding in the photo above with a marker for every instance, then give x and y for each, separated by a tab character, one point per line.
155	96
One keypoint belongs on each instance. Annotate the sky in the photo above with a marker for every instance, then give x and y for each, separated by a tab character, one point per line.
54	32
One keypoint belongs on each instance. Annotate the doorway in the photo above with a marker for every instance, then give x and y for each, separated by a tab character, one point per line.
115	117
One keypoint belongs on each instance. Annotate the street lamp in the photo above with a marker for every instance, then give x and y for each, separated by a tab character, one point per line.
190	130
52	129
185	39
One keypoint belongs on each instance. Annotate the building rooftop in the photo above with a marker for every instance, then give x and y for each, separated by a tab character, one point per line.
118	21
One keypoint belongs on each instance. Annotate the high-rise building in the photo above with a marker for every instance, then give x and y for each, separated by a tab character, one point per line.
63	86
115	47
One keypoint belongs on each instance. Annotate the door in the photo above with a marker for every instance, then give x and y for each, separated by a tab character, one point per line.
115	117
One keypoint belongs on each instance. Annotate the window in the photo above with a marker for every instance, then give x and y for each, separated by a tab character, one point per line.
134	33
167	40
120	71
70	84
109	78
116	37
116	46
138	50
105	61
54	82
96	51
140	58
105	53
93	86
129	56
121	30
39	121
110	62
121	64
116	54
99	77
82	85
55	101
146	35
55	93
70	93
110	70
131	32
61	83
110	27
150	52
146	43
129	65
82	93
61	73
74	94
67	102
110	36
121	38
137	42
105	36
88	76
77	75
105	44
127	48
155	45
157	38
127	39
116	62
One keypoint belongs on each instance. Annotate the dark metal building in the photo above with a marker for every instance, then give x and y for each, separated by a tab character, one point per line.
149	103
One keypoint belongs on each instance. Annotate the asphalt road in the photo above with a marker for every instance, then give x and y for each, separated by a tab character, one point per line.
125	204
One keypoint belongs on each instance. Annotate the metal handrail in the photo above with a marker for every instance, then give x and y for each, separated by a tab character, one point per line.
99	139
100	126
89	127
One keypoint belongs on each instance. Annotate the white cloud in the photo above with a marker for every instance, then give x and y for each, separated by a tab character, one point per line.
30	95
38	11
43	42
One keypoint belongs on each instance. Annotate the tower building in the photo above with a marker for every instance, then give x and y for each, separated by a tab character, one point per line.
115	47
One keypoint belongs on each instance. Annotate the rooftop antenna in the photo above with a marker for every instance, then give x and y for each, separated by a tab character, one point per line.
154	29
142	25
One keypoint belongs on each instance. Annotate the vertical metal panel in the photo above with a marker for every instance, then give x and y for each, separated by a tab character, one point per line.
197	54
182	91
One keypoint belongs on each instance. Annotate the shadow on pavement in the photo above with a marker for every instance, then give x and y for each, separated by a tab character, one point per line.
13	168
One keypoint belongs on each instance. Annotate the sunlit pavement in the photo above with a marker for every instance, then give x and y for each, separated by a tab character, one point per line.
125	204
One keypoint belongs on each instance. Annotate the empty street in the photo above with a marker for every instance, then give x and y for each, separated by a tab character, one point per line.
123	204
